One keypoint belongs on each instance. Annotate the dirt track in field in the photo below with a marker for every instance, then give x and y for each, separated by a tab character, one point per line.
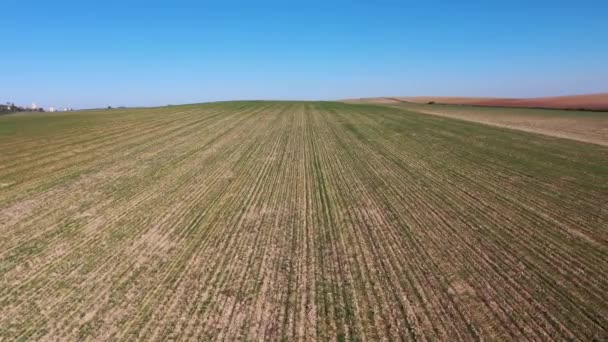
301	221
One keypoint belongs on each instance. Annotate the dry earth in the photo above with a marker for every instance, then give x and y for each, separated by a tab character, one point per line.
588	101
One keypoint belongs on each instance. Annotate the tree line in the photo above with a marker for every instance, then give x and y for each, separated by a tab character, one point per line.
10	107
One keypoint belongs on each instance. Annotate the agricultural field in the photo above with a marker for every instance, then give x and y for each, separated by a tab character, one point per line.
297	221
585	126
597	101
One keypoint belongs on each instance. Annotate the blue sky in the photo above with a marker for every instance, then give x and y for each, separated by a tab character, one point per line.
98	53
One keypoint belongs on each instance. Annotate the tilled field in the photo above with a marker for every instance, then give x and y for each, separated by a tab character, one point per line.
285	220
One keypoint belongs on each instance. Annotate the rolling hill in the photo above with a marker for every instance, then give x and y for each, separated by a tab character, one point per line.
597	101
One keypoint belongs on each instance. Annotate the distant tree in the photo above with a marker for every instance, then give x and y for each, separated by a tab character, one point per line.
109	107
431	102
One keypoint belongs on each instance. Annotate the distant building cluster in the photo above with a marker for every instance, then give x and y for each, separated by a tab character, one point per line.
65	109
10	107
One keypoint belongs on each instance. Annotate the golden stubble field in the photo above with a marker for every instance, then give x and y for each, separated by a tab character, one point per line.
297	220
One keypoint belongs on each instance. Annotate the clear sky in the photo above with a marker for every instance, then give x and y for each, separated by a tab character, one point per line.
98	53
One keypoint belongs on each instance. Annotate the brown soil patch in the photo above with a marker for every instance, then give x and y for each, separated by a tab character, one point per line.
592	101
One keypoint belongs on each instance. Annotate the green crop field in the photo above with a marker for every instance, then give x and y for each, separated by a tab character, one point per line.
584	126
297	220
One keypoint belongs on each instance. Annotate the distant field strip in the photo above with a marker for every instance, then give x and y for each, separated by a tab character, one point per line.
584	126
297	221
